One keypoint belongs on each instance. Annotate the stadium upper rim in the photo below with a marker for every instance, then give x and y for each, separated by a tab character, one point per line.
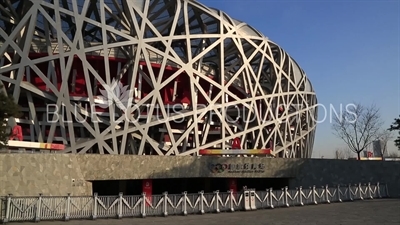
243	29
247	30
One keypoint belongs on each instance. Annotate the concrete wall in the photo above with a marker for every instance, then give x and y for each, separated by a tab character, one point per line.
59	174
334	172
117	167
49	174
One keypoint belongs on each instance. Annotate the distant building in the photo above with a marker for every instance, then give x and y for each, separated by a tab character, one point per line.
369	154
377	148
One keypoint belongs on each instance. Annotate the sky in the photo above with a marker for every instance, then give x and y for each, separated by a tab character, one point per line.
350	50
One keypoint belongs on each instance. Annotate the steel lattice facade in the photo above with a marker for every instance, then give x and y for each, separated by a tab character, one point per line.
190	77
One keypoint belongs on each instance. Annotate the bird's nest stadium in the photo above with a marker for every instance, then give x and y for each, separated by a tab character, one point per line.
153	77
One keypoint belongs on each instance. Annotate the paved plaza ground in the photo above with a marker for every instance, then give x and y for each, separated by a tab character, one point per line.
379	211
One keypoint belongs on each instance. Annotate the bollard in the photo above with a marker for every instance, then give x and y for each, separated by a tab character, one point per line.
94	214
271	197
301	196
327	194
120	204
7	218
253	200
370	191
246	200
314	198
378	189
165	201
201	205
360	191
231	200
350	194
144	203
339	193
216	195
286	193
184	197
67	208
38	208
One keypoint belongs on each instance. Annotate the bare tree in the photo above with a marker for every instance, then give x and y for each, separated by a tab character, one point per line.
358	126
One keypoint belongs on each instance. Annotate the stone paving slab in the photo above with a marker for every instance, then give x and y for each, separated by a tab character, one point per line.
379	211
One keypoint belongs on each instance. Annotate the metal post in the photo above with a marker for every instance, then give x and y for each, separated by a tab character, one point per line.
286	196
38	207
360	191
94	216
313	195
370	191
8	208
350	194
201	205
300	193
231	196
165	213
339	193
144	202
120	203
378	189
216	196
67	207
184	210
271	193
327	194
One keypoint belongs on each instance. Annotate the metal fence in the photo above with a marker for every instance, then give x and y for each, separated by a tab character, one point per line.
92	207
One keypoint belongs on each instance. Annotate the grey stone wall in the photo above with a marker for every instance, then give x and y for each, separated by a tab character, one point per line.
333	172
59	174
49	174
119	167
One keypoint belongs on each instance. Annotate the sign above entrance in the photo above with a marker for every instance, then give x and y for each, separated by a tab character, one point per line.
237	168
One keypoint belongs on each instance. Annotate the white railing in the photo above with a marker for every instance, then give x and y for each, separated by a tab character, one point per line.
81	207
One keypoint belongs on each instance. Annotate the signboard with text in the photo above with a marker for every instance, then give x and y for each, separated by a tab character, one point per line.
237	168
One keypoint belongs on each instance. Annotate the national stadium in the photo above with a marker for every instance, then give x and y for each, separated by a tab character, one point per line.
142	107
155	77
